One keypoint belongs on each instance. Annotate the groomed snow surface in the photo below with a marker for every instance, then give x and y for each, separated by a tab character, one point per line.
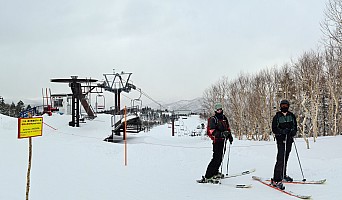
76	164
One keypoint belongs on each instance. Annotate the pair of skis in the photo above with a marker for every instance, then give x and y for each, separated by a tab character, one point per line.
267	182
217	181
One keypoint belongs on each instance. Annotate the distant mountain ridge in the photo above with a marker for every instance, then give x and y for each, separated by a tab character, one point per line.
195	105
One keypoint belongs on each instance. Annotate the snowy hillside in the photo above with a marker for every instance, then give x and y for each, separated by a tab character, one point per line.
195	105
74	163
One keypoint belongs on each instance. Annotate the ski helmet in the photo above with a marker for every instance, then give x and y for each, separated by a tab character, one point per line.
284	105
284	101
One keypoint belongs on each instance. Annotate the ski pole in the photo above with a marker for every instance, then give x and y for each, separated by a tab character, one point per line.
300	165
224	152
228	159
284	164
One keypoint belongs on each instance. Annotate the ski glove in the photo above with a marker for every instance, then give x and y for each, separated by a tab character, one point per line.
228	135
293	133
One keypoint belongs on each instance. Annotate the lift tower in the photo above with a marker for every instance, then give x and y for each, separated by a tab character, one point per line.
77	97
116	84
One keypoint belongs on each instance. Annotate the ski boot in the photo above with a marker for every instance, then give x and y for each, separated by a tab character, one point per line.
208	180
219	175
287	179
278	185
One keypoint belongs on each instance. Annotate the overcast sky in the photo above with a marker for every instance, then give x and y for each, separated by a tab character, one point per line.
175	48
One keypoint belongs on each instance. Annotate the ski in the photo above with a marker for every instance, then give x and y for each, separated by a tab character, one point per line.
217	182
263	181
239	174
304	182
243	185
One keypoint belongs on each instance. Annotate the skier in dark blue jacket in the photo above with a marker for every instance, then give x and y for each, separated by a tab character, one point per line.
284	127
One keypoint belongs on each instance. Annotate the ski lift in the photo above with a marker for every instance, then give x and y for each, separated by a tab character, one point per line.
136	104
100	102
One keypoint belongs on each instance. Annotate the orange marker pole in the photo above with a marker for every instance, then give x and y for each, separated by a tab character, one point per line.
125	113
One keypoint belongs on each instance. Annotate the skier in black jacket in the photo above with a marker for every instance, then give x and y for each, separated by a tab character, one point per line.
219	131
284	127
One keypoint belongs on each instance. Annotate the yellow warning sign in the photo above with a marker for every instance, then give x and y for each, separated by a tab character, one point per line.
30	127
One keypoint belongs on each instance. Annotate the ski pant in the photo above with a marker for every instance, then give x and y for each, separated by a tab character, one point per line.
215	163
280	166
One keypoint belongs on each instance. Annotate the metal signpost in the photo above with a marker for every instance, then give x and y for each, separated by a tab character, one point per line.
28	128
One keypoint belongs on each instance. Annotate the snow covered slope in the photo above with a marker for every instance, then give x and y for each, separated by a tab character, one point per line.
75	163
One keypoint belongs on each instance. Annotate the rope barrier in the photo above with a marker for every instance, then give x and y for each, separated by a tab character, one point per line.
49	126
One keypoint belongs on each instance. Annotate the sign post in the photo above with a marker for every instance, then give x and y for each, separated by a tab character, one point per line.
29	170
28	128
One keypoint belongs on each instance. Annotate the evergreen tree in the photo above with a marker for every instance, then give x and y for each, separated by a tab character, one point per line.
2	105
12	110
19	107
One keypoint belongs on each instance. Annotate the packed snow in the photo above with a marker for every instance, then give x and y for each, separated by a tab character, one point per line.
72	163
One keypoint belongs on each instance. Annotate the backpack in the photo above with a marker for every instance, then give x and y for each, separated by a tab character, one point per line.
216	122
208	123
208	128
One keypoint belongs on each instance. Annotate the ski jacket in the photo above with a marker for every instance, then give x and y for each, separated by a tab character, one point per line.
284	125
218	124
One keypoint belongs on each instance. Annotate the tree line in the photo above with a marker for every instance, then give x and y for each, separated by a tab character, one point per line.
12	110
312	83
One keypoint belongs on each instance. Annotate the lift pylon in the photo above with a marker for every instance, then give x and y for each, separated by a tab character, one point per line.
77	97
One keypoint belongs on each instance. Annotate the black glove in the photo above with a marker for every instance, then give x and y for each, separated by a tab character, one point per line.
292	132
230	138
228	135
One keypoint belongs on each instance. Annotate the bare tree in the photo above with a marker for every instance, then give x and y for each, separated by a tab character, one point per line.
332	30
270	88
333	71
217	92
309	72
332	24
238	105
